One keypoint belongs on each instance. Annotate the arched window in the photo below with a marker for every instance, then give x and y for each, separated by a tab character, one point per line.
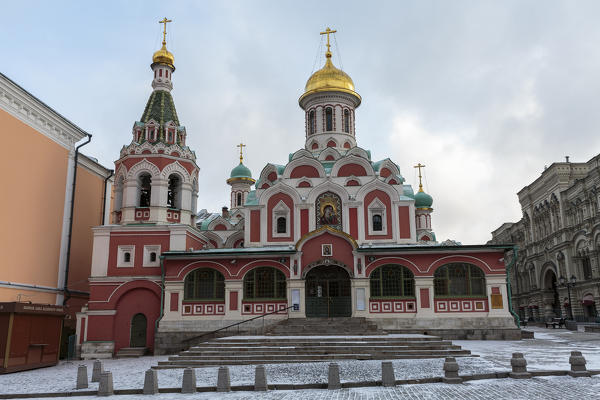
459	279
311	122
127	257
239	199
377	222
173	195
264	283
328	119
392	281
145	182
281	225
204	284
346	121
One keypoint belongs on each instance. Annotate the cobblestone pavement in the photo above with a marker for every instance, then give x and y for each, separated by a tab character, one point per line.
547	388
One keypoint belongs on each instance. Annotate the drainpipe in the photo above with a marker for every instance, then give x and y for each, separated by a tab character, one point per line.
162	292
112	172
508	288
66	287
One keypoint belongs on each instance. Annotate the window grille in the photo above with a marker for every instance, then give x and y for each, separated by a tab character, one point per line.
346	121
459	279
204	284
311	122
264	283
328	119
392	281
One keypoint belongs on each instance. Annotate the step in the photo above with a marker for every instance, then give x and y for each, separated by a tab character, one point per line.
132	352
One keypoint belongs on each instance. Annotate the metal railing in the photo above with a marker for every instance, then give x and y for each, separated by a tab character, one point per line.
213	333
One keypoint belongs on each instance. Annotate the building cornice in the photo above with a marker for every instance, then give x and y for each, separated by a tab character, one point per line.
27	108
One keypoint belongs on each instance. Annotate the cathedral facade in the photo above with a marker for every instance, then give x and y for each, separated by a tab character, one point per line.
332	233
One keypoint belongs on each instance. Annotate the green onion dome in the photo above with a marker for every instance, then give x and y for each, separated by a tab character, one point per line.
423	200
240	173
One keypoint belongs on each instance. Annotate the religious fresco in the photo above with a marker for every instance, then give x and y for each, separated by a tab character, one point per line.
328	210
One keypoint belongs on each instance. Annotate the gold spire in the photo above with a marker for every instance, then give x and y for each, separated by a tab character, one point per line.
241	146
328	32
419	166
163	56
165	21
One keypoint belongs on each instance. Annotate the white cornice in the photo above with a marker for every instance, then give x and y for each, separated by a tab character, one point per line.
28	109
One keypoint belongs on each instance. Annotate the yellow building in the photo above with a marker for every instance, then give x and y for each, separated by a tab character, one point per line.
46	244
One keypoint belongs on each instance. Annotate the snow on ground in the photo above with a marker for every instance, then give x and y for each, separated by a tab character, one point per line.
550	350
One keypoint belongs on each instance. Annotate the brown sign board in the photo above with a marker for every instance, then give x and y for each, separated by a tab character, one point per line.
31	308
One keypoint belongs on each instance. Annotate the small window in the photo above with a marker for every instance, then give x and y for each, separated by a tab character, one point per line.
346	121
153	257
328	119
281	225
239	199
127	257
377	223
311	122
160	73
170	136
173	191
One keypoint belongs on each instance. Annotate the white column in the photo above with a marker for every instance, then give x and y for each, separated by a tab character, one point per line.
233	286
424	283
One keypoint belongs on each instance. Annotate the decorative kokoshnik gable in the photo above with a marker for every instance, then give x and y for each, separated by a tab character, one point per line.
331	233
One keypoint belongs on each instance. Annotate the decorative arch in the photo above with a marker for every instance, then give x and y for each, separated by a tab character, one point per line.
359	152
183	272
143	166
231	240
327	261
301	153
462	258
178	169
279	187
342	167
330	151
126	287
322	230
304	161
545	281
376	184
262	263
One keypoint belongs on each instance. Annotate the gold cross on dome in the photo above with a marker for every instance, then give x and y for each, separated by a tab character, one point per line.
241	146
165	21
328	32
419	166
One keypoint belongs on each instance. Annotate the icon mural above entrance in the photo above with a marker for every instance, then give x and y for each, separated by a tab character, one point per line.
328	292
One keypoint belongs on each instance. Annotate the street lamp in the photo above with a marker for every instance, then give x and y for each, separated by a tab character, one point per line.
569	284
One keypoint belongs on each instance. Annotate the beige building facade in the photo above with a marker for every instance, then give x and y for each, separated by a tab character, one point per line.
37	217
557	272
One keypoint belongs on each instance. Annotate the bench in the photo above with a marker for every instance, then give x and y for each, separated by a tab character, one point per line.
560	322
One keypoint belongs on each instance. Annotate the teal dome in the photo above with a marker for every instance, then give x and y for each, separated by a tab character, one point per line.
241	171
423	200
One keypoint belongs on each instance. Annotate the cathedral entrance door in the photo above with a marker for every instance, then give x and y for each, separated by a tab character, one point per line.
328	292
138	331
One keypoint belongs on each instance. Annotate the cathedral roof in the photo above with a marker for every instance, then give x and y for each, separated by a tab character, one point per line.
423	200
241	171
160	108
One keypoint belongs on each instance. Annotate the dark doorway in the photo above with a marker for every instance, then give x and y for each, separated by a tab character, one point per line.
138	331
328	292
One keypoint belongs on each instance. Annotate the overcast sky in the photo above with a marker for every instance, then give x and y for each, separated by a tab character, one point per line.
483	93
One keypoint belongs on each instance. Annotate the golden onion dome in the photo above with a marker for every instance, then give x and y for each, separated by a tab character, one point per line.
164	56
329	79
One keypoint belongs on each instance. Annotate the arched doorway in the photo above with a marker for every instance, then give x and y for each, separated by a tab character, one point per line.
550	295
138	331
328	292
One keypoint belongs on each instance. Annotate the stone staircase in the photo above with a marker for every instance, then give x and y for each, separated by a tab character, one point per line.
131	352
324	326
314	340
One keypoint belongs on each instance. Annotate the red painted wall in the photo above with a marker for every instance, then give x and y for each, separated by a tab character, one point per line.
273	201
304	171
352	169
139	239
404	222
353	214
139	300
160	161
342	250
385	172
255	225
303	222
385	199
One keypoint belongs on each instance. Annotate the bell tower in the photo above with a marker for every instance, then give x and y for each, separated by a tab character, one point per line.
240	181
156	178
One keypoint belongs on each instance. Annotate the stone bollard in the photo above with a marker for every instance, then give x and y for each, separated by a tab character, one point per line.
577	362
97	370
260	378
388	378
519	367
151	382
82	379
105	388
223	381
451	371
334	377
188	384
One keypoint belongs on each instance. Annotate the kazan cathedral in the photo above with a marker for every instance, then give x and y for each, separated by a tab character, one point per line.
332	233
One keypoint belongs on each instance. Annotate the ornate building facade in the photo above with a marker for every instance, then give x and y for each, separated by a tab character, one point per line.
558	241
332	233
